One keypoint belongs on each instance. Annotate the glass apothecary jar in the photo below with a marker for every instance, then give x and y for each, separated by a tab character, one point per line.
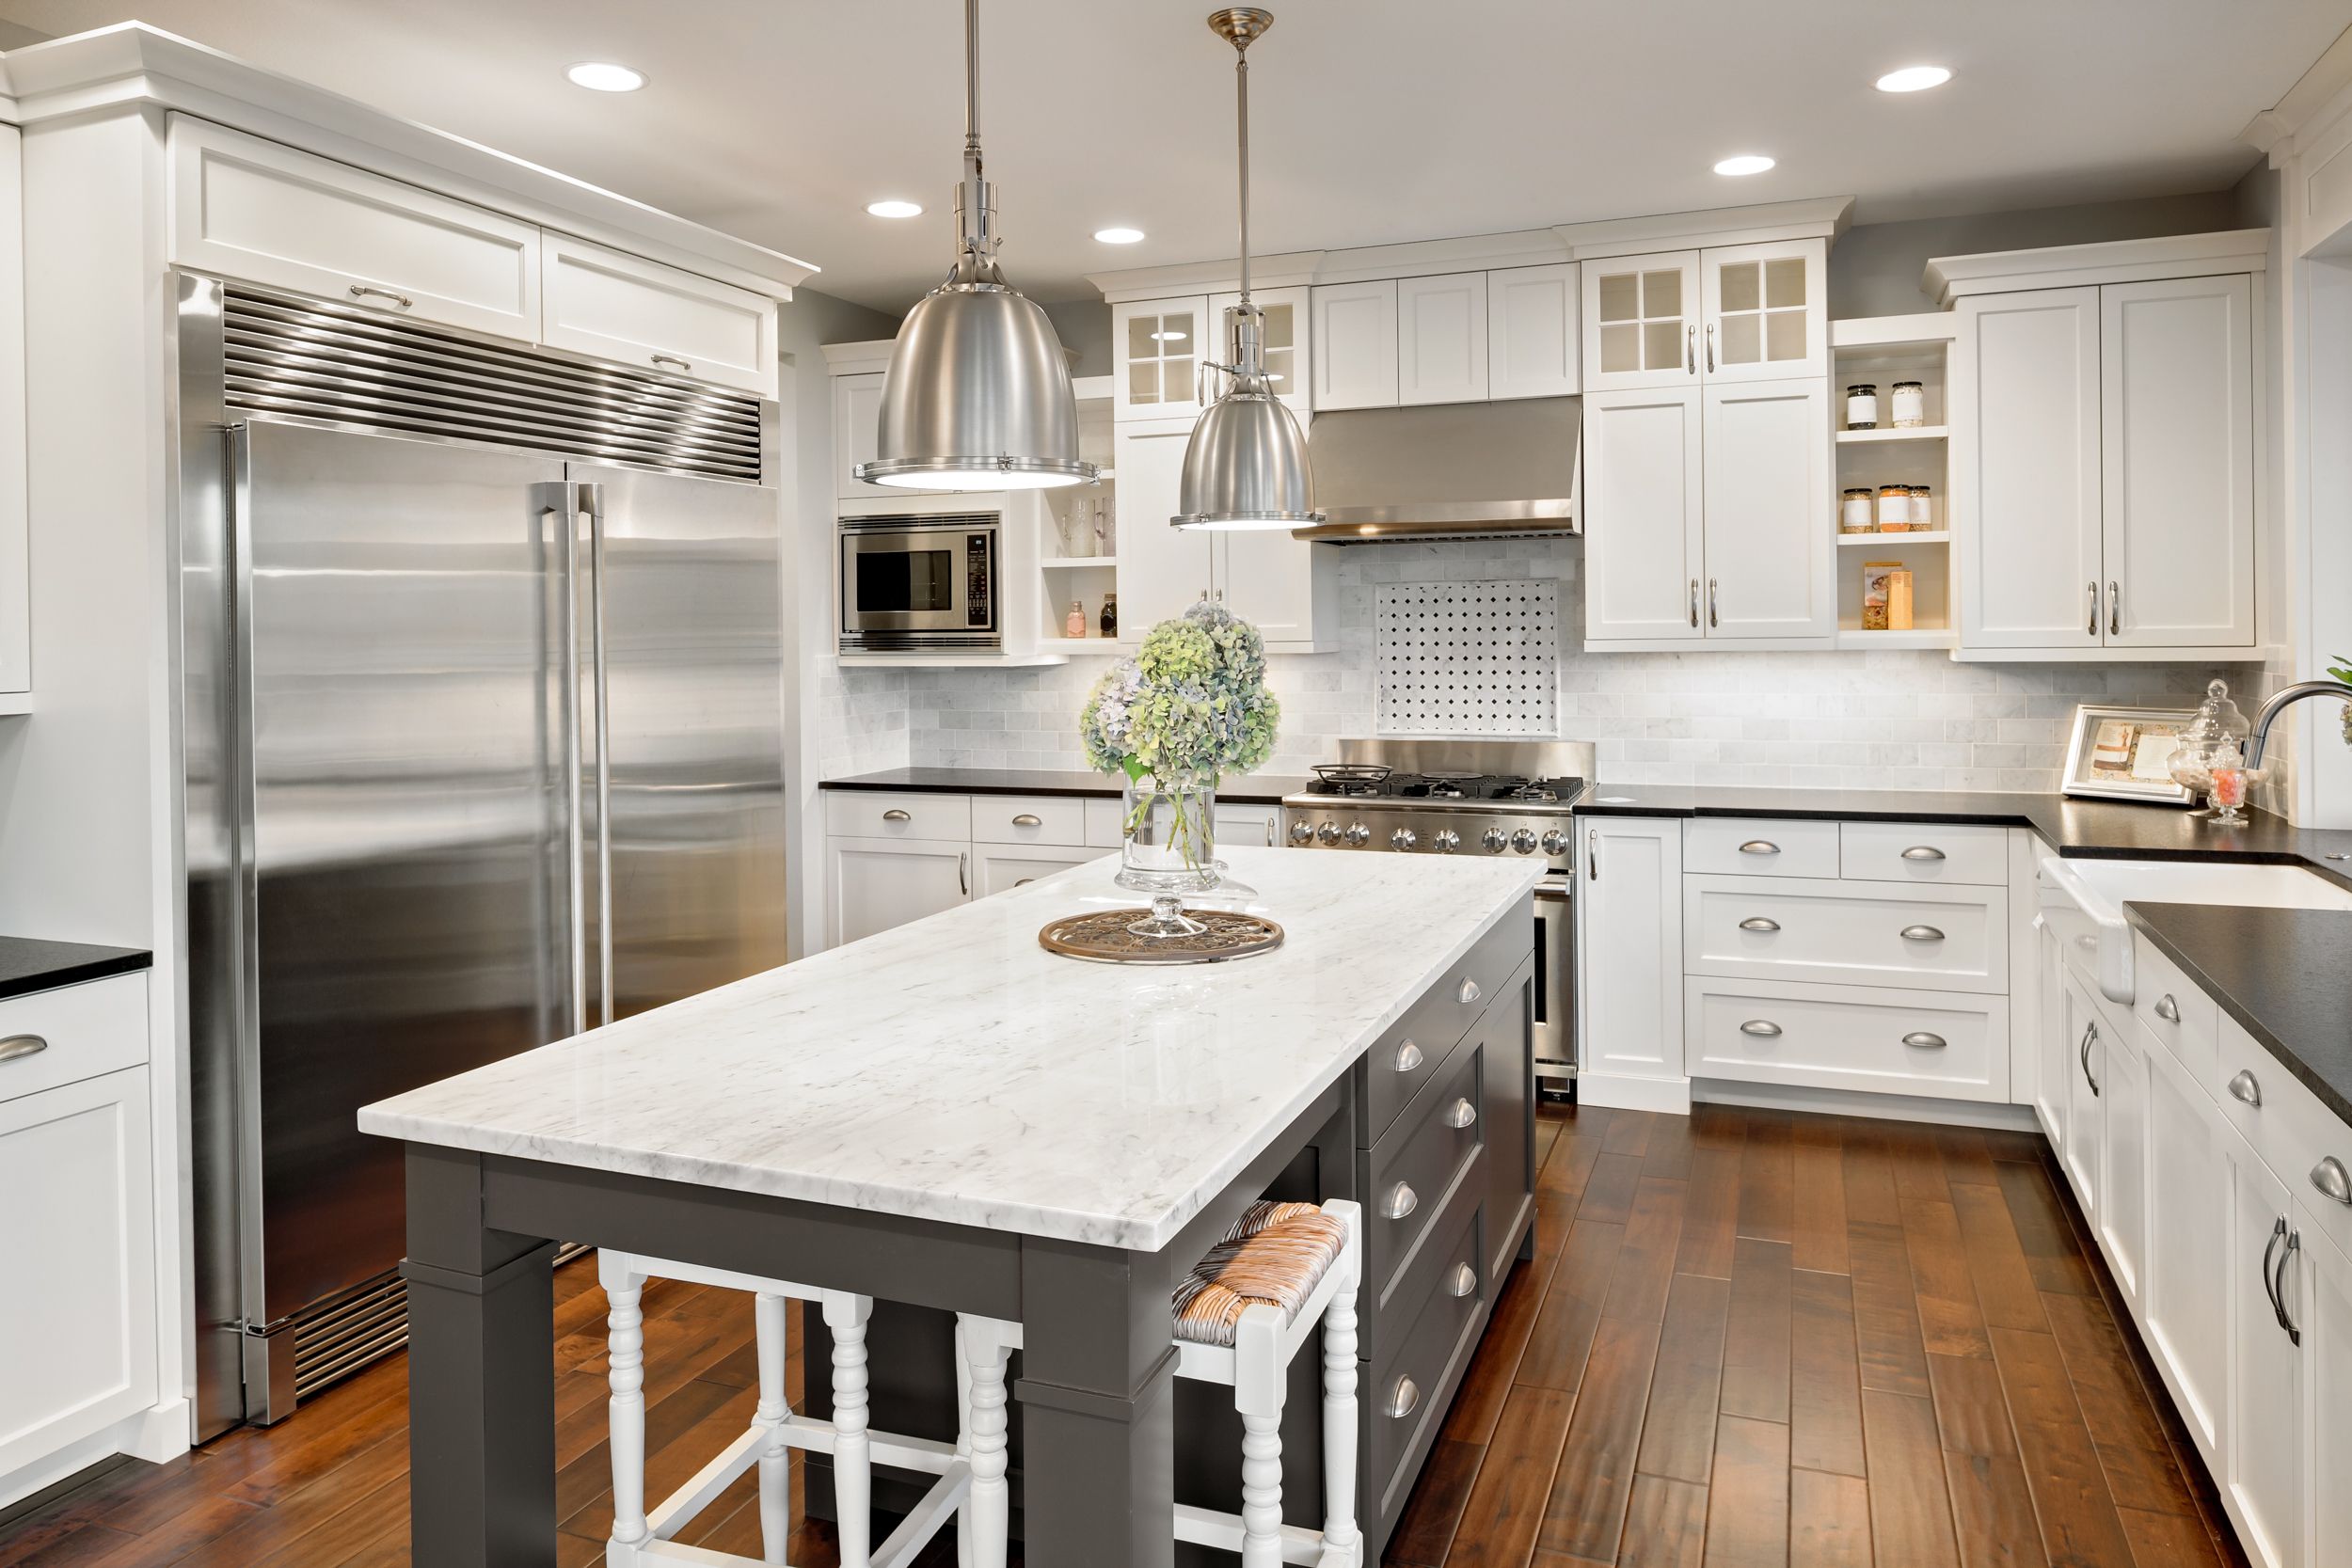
2215	739
1168	835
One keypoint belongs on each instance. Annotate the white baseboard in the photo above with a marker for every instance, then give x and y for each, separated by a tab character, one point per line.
159	1432
1852	1102
1669	1096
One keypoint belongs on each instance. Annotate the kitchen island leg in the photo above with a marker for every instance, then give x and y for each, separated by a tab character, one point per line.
481	1386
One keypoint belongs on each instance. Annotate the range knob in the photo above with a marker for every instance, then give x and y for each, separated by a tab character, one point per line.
1445	841
1358	835
1494	839
1302	832
1523	840
1555	841
1327	833
1404	838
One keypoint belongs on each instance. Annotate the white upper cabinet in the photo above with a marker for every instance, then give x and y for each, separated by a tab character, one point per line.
2025	462
1768	456
1645	500
1765	312
1532	340
1285	587
856	432
251	209
1285	343
1162	570
1642	321
1441	339
619	307
1157	349
2177	449
1353	345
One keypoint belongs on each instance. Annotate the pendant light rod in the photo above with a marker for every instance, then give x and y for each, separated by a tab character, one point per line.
974	206
1241	79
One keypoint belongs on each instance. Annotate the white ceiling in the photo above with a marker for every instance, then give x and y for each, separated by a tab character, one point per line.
1374	120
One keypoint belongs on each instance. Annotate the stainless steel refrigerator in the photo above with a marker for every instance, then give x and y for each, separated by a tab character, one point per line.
483	743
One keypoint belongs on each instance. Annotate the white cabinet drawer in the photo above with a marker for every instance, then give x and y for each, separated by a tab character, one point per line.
1923	852
248	208
1028	819
1250	826
1874	1038
1759	847
1002	867
2289	1128
621	307
1785	928
2172	1011
897	813
84	1030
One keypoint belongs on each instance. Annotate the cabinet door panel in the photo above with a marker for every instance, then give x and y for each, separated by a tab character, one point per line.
622	307
1285	340
2176	399
1441	339
2184	1296
2262	1468
2025	470
1509	1070
856	432
1162	570
1530	332
1156	349
2053	1061
2086	1117
1282	586
1629	914
1642	511
1352	345
1000	867
1766	312
1641	321
2124	1155
874	884
2328	1349
1767	497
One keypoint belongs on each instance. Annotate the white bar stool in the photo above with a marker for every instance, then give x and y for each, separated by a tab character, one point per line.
1239	1320
641	1539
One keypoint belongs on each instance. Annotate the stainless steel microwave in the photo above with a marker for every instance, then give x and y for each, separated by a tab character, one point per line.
910	583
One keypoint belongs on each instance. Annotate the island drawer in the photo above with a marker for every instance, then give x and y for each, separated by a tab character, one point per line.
1407	1394
1759	847
1437	1021
897	813
1927	852
1391	1310
1847	934
2291	1129
1944	1044
84	1030
1408	1174
2170	1007
1028	819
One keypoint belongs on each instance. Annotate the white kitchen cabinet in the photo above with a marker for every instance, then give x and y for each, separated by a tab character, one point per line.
1157	349
1287	588
1765	312
2327	1303
78	1328
2268	1447
2081	1024
2053	1062
1644	511
1441	339
1629	919
594	300
1767	491
2177	452
856	432
1352	345
16	642
998	867
1284	342
251	209
1250	826
872	884
1532	338
1640	321
2123	1146
2184	1293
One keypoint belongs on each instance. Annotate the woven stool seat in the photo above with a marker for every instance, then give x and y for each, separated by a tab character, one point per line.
1276	1255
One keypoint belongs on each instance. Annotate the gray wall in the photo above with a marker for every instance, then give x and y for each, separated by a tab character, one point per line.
1085	326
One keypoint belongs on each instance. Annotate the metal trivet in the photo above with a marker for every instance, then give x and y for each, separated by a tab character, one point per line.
1111	937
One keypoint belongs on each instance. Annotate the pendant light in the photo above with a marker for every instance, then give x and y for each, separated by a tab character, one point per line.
1246	465
979	394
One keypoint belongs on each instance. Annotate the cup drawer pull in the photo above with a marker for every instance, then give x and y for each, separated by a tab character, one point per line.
1468	993
1923	852
1763	1029
1757	923
1404	1400
1461	1114
894	814
1922	933
1401	1200
1462	1281
1409	1056
1922	1040
2246	1089
1028	819
1759	847
2168	1009
16	1046
2333	1180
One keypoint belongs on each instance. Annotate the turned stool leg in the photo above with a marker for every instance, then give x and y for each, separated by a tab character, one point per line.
775	1463
989	1514
852	1461
1338	1423
624	1288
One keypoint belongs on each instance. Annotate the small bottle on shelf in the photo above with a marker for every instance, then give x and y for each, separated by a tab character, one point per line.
1075	625
1110	615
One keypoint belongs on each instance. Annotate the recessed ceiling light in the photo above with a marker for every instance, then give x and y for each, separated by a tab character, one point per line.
1119	236
1913	78
895	209
604	76
1746	163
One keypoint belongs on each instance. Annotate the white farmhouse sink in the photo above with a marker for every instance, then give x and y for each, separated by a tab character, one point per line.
2084	900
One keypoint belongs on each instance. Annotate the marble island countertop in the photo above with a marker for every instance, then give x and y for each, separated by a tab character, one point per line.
952	1070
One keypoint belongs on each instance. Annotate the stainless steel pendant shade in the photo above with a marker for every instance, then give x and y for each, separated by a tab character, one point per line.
1246	467
979	394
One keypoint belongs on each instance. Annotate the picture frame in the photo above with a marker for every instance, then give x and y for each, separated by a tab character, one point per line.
2118	754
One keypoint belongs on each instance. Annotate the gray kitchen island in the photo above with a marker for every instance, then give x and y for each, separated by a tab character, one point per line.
946	1117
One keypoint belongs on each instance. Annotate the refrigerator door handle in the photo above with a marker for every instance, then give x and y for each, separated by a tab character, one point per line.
558	519
592	508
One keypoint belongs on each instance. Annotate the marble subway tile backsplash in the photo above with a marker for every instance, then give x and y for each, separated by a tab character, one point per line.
1893	720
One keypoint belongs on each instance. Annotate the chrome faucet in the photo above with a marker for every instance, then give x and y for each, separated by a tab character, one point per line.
2280	702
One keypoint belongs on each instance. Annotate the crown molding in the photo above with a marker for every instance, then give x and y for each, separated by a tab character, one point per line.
134	65
1823	217
2318	99
858	358
2231	250
1290	269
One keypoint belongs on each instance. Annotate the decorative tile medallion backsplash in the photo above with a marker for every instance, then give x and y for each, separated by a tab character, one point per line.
1467	658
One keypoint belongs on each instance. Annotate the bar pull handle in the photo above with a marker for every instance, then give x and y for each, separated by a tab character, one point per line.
1404	1402
1757	923
2246	1088
1592	853
1759	847
2115	609
964	874
2094	628
592	498
1691	349
2083	1055
1025	881
1409	1056
672	359
17	1047
1401	1200
1711	620
1923	852
1924	1041
1463	1114
1710	348
1695	602
894	814
1028	819
1763	1029
2332	1180
1921	933
368	291
1462	1281
2168	1009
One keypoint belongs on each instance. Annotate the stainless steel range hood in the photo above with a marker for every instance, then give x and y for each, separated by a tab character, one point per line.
1447	470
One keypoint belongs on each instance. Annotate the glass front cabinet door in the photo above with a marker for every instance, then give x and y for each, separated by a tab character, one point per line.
1159	348
1642	321
1285	339
1765	312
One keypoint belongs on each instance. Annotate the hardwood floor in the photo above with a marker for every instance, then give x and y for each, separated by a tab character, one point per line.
1747	1337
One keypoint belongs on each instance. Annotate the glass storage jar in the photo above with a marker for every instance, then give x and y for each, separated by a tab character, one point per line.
1910	405
1856	511
1862	407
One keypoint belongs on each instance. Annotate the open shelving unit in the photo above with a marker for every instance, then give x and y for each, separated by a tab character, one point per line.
1883	350
1066	538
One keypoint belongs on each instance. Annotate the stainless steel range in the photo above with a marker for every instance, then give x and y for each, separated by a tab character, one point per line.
1468	798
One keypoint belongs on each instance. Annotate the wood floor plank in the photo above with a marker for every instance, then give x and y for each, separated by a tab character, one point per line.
2006	1291
2167	1541
1970	1409
1671	1146
1665	1524
1747	1504
1911	1511
1487	1383
2043	1231
1507	1501
1584	1515
1629	1133
1646	1263
1562	1335
1678	1436
1949	1320
2115	1403
1885	1310
1609	1193
1818	1212
1829	1521
1967	1162
1869	1175
1993	1512
1718	1127
1917	1164
1768	1177
1756	1339
1825	1385
1710	1212
1432	1512
2063	1467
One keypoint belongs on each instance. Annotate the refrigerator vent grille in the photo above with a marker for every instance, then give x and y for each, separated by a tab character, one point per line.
360	369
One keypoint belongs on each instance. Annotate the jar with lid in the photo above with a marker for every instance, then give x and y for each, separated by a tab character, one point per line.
1910	405
1074	623
1922	510
2214	739
1862	407
1894	509
1856	511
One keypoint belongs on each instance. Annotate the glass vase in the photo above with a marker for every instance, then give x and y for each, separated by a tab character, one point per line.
1168	836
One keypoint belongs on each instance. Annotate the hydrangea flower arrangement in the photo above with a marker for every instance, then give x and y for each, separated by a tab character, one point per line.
1189	705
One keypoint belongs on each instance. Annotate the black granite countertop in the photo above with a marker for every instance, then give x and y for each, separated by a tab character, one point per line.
27	965
2286	975
1263	790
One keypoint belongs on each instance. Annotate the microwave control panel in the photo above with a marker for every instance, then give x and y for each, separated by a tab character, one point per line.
976	588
